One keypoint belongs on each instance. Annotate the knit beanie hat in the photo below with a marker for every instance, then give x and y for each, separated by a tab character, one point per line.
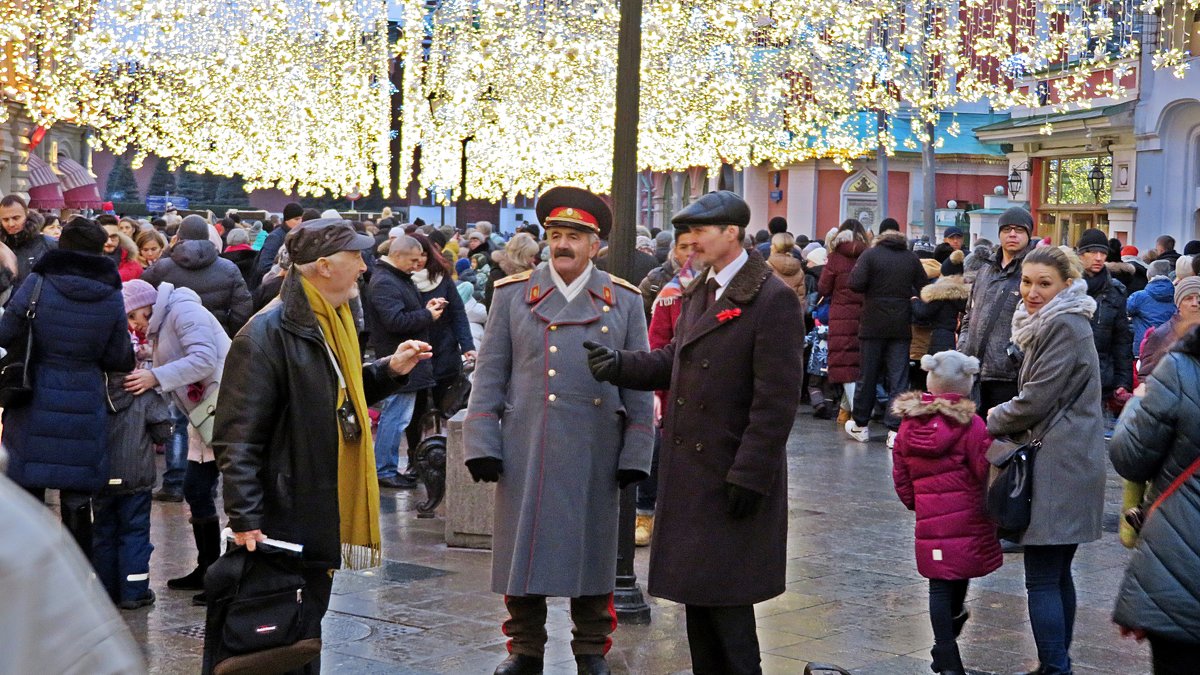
292	210
1129	250
950	372
954	264
1192	247
1015	215
1158	268
462	265
1185	288
138	293
194	228
817	257
1092	240
933	268
1183	267
83	235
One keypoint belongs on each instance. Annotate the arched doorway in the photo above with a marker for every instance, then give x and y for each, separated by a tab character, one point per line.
859	199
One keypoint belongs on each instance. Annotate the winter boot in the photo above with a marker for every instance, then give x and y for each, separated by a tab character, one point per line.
520	664
946	659
843	417
592	664
643	529
960	621
207	534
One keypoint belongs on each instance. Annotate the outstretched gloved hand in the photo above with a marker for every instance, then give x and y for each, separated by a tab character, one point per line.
604	362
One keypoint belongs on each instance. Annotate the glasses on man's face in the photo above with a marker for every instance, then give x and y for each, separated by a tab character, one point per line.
113	237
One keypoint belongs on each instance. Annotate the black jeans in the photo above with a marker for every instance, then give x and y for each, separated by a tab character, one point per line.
946	598
1173	658
1051	591
883	361
723	640
75	508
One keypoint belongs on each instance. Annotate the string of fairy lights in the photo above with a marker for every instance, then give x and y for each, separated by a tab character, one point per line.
740	82
294	94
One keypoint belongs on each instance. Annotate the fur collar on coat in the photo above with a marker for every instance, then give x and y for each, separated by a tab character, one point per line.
952	287
1071	300
917	404
748	281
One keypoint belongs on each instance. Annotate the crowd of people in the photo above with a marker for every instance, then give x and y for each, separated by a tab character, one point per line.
144	340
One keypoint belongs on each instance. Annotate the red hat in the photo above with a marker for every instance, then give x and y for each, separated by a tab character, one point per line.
1129	250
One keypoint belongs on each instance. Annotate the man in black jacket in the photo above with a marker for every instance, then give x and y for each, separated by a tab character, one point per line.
20	234
292	214
890	276
281	437
1110	323
394	313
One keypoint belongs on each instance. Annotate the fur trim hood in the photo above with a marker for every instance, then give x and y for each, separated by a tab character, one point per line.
952	287
921	404
891	239
845	243
1115	268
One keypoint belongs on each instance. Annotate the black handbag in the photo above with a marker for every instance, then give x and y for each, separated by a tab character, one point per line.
258	616
1009	498
16	377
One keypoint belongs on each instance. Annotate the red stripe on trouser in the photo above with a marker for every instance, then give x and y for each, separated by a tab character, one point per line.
612	611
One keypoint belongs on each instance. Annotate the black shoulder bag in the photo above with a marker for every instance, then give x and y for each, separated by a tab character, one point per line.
1010	483
16	383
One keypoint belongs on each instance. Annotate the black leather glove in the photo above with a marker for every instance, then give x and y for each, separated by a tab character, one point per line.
604	362
627	477
742	501
486	469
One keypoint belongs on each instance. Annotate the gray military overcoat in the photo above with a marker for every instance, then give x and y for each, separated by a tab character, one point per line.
561	434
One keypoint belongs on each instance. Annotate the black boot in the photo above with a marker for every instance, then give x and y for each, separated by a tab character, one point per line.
825	411
208	548
592	664
520	664
960	621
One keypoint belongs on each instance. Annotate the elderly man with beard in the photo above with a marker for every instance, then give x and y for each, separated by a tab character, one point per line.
558	444
20	236
292	435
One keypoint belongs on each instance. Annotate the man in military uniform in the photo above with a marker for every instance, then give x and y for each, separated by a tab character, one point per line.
558	444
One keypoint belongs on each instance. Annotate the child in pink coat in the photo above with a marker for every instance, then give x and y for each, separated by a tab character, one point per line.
940	470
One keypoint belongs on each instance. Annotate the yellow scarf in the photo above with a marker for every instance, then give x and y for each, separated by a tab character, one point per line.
358	490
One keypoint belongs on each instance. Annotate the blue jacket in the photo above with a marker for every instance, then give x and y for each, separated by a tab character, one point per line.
1151	307
59	439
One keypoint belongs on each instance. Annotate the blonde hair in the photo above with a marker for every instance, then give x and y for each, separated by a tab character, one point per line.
782	243
1061	258
522	250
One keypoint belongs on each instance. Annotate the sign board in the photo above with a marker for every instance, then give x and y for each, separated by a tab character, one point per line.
158	203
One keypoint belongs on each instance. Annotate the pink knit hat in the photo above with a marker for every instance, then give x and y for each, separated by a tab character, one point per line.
138	293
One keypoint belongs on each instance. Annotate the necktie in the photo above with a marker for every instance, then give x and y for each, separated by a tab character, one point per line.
710	294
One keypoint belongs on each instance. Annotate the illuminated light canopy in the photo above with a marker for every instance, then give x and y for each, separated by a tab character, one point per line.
291	94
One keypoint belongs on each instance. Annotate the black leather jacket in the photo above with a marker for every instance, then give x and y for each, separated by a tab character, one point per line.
276	430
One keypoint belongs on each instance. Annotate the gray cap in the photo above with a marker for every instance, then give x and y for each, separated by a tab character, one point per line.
324	237
1015	215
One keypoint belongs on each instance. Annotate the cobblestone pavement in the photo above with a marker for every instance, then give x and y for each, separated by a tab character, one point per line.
853	594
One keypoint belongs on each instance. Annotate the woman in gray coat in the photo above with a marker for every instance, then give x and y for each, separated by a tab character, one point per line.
1157	439
1060	368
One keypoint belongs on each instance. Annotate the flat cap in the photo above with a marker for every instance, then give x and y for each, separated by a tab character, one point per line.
324	237
715	208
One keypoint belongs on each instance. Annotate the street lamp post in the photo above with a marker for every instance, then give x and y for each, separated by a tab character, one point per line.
630	605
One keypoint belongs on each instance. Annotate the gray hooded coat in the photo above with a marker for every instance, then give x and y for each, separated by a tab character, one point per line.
1157	438
195	264
135	424
561	434
1060	362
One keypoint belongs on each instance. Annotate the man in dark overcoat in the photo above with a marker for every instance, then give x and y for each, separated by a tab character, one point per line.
558	443
720	533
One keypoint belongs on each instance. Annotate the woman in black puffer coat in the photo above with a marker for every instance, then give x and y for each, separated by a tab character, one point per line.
1157	439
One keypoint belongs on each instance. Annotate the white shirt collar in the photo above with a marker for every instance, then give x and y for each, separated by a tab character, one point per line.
726	275
570	291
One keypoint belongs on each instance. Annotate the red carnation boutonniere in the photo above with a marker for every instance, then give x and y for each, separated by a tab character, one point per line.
728	315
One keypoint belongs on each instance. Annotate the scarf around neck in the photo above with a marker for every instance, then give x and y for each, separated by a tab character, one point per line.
358	489
1028	327
423	282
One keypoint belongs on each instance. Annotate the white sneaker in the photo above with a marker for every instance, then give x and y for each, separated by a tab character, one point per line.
891	441
860	434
